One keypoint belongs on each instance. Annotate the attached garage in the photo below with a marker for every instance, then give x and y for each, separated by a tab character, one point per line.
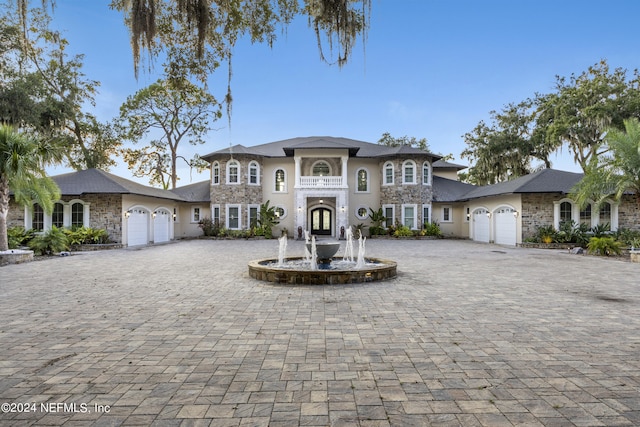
505	226
161	226
481	225
138	227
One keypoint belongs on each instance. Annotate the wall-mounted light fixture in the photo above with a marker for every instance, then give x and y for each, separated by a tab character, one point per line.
342	209
154	215
488	214
299	208
321	201
515	214
127	214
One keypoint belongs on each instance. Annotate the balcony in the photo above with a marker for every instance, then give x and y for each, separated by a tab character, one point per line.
320	182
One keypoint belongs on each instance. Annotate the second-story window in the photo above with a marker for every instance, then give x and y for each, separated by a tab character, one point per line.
254	173
321	168
233	172
280	181
408	172
215	173
363	180
388	173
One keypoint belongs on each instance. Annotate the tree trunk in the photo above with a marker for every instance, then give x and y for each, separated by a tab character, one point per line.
4	212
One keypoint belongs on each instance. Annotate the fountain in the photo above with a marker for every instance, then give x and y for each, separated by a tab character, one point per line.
319	267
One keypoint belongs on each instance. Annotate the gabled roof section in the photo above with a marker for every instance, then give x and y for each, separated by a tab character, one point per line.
543	181
95	181
285	148
197	192
449	190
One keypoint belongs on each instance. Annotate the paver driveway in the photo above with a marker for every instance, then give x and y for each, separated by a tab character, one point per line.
468	334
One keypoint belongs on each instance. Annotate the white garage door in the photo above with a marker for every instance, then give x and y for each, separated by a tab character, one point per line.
161	224
505	226
138	227
481	225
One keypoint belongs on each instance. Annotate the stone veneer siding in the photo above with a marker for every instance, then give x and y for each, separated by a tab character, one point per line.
105	211
242	193
629	213
537	211
399	194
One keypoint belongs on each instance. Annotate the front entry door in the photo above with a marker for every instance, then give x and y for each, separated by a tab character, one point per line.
321	221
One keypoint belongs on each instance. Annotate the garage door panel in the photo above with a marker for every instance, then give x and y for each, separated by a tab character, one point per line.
505	223
161	226
138	227
481	225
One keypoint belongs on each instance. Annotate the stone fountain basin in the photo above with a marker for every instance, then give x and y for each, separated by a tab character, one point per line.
324	249
266	271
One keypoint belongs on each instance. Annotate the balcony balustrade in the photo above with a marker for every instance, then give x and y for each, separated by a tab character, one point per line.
320	181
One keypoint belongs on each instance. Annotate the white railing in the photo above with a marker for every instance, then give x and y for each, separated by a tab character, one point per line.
320	181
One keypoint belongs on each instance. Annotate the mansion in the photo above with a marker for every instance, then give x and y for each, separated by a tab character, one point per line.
323	185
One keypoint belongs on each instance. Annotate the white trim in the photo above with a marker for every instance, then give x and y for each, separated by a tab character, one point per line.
366	213
231	163
430	171
393	214
250	206
428	219
284	211
213	213
388	165
254	164
414	207
215	173
405	165
450	211
228	207
193	218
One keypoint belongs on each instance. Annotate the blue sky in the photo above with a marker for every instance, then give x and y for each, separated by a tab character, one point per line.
429	69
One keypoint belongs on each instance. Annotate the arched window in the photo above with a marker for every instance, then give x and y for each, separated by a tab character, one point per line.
233	172
57	216
408	172
388	173
280	181
37	218
77	215
362	178
254	173
426	173
566	209
215	173
321	168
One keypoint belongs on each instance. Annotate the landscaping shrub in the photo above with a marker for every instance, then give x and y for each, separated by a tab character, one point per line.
604	246
18	236
403	231
209	227
49	242
87	236
545	234
432	229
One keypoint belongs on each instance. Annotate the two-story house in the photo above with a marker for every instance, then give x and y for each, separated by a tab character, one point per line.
321	184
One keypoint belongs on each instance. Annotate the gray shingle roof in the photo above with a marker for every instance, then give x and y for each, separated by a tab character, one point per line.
197	192
447	165
95	181
285	147
449	190
543	181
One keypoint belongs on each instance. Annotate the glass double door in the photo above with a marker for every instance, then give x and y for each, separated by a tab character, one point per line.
321	219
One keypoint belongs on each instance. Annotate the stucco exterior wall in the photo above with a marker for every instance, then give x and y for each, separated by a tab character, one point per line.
185	224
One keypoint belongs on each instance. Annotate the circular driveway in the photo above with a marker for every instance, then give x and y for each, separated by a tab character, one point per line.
179	334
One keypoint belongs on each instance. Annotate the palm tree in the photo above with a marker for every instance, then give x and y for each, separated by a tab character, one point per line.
22	162
615	172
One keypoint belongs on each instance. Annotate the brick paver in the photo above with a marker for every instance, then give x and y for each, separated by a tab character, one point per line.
468	334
